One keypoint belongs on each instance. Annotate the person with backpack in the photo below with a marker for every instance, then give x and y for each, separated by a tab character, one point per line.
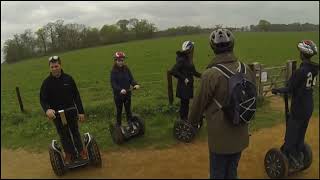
227	97
300	87
184	70
121	79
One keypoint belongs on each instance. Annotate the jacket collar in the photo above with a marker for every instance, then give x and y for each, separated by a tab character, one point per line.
222	59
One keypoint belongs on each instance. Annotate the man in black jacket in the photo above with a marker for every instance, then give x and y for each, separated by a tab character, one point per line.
59	92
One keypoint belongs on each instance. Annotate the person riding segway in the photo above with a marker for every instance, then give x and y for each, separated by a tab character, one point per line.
184	70
59	92
123	84
295	154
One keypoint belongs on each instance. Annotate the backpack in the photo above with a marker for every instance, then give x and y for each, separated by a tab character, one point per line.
240	107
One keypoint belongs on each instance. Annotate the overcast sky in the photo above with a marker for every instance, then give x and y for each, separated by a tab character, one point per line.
17	16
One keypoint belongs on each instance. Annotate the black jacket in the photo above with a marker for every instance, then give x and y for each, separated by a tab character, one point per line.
300	86
121	78
60	93
181	70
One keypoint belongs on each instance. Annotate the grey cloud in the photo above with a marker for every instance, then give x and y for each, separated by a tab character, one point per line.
16	16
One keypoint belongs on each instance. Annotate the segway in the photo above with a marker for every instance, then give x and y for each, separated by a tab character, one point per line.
120	134
276	162
184	131
56	153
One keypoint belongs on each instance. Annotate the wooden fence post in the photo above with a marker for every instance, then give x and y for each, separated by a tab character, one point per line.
257	69
170	88
19	99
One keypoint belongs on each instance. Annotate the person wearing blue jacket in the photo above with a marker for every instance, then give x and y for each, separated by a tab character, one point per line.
300	87
121	81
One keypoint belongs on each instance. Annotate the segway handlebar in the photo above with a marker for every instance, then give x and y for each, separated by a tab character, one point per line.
131	89
61	114
283	91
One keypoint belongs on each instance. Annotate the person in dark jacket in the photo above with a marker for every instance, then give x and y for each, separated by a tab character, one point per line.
121	81
184	70
59	92
300	87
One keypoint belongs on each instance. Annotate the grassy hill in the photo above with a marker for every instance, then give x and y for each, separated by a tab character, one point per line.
148	61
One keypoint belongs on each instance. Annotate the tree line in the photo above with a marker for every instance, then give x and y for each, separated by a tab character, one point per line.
56	37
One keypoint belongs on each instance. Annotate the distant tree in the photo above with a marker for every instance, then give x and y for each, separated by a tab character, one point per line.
91	37
264	25
42	39
110	34
123	23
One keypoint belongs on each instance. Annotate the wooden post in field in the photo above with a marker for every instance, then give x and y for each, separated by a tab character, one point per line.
257	68
19	99
170	89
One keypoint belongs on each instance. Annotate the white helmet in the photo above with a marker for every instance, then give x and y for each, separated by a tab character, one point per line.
187	45
307	48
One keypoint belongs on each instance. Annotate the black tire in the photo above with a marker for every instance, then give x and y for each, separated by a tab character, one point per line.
56	162
141	124
276	164
183	131
116	134
94	153
307	161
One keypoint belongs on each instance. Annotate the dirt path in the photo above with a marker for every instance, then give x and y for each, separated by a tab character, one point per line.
180	161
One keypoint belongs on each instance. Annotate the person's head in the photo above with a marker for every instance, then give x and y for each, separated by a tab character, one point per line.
55	66
187	47
221	41
119	58
307	49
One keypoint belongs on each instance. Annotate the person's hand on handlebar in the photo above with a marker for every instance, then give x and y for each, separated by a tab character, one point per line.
123	91
275	91
81	118
51	114
136	86
283	90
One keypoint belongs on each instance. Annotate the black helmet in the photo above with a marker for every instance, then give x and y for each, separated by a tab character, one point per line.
221	40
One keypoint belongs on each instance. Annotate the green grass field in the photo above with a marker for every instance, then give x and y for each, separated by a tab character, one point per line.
148	61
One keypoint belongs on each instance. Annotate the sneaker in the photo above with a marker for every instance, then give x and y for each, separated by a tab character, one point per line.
67	158
295	163
84	154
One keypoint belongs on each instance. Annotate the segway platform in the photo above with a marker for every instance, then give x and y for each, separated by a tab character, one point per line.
120	134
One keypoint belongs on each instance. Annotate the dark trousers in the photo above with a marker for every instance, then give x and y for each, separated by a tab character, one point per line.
295	135
65	134
224	166
120	101
184	109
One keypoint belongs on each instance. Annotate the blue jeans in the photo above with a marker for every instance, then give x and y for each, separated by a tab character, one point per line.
224	166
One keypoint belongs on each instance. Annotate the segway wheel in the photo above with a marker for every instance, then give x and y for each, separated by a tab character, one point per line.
141	124
183	131
56	162
276	164
307	161
94	153
116	134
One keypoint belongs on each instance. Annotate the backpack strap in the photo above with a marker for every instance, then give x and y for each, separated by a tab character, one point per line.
243	68
224	70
